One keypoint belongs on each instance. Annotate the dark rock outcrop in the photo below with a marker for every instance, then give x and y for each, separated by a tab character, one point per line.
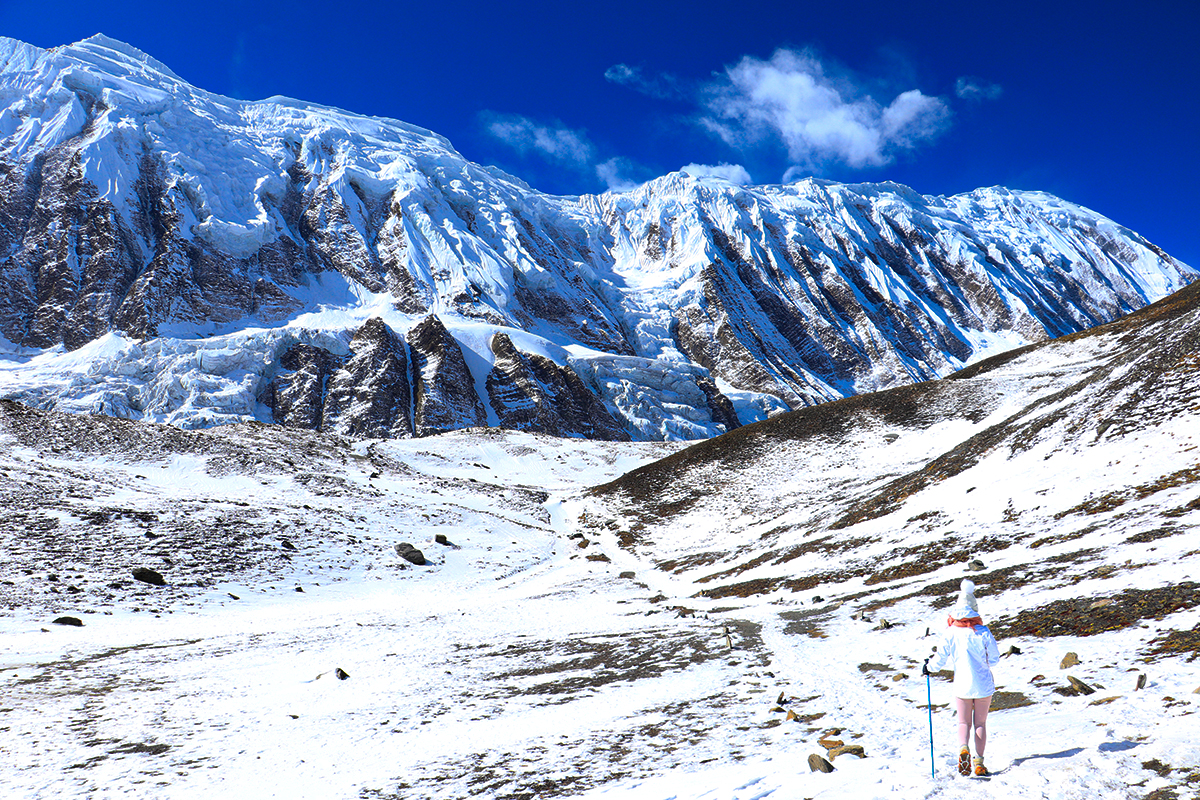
150	576
296	396
370	397
443	387
530	392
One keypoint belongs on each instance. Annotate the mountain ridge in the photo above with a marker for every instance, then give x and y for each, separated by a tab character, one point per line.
136	205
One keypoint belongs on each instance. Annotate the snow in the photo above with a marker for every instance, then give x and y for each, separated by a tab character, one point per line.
477	671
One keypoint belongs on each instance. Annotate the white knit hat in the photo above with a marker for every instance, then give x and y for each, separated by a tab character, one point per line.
966	606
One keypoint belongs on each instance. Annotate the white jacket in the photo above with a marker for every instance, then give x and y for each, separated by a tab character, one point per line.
971	653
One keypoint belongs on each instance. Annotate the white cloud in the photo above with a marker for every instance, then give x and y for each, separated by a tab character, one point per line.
663	86
734	173
555	142
818	117
975	89
615	174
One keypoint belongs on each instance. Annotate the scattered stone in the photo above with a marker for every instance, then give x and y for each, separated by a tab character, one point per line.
627	575
340	674
147	575
818	764
848	749
1002	701
782	700
882	626
975	565
860	616
791	715
818	599
410	554
234	596
1037	678
300	589
1103	701
1069	660
777	710
1079	685
441	539
286	545
1107	601
1141	682
900	676
1011	650
1196	690
829	743
75	622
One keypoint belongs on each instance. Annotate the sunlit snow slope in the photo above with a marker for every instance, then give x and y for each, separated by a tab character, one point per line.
168	254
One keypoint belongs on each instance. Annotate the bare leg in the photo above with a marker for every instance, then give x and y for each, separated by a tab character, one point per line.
980	712
966	708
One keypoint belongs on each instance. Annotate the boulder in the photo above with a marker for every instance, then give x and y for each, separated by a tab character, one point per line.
411	554
147	575
1141	682
1079	685
74	622
847	749
818	764
975	565
1069	660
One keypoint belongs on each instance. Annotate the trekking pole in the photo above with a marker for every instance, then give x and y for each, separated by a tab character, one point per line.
929	702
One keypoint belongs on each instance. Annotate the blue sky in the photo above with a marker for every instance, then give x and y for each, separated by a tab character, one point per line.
1096	102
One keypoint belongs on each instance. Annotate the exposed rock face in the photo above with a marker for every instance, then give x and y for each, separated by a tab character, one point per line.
297	396
445	397
370	396
530	392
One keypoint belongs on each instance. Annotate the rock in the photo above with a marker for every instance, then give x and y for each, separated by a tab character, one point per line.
234	596
781	699
369	396
882	626
1196	690
1141	682
74	622
975	565
1069	660
340	674
300	589
830	744
627	575
444	391
147	575
818	599
441	539
286	545
1079	685
791	715
861	616
847	749
1011	650
411	554
529	392
818	764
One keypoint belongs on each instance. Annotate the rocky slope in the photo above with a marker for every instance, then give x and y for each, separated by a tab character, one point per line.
147	226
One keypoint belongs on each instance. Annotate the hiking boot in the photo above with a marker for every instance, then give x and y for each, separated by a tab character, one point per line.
980	769
964	761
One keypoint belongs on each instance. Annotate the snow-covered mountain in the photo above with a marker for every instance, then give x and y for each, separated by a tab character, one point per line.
172	255
698	626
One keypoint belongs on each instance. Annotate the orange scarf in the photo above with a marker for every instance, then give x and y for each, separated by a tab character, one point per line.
968	622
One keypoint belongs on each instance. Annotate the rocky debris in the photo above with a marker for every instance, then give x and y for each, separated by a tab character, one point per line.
444	394
1141	682
1077	617
1011	650
975	565
340	674
75	622
442	539
147	575
1069	660
817	763
882	626
411	554
829	743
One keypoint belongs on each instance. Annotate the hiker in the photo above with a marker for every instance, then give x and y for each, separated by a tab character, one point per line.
969	647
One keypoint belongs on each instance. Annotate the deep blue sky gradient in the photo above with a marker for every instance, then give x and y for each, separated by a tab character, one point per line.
1100	102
